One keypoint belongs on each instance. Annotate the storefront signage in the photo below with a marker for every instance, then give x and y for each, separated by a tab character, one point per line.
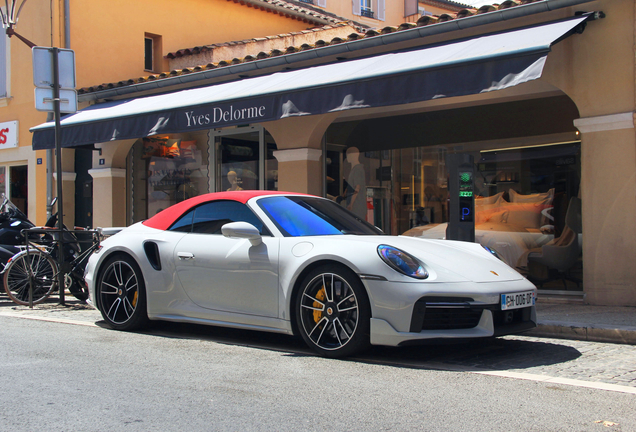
8	135
225	115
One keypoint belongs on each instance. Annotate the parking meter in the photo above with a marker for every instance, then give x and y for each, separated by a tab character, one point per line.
461	208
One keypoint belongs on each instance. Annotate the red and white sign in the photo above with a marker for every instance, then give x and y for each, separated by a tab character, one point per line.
8	134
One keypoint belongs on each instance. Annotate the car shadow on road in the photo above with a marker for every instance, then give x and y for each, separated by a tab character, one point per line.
473	354
484	354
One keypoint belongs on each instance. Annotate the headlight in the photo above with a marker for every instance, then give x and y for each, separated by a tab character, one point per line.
492	252
402	262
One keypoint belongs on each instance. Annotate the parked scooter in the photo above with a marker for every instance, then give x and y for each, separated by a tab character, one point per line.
13	221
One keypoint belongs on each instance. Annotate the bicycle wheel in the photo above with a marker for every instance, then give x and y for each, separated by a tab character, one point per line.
16	277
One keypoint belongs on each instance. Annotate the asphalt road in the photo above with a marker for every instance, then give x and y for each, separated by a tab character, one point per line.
61	377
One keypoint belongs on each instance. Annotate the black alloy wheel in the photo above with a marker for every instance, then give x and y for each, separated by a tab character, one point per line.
121	294
333	314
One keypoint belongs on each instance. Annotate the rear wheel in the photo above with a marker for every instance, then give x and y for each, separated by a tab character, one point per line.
332	311
17	277
121	294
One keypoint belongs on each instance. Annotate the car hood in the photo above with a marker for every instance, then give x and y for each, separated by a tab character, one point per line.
451	259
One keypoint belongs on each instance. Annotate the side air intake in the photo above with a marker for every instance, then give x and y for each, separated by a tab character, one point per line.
152	253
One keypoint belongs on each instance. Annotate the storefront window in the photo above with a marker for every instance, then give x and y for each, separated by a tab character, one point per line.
238	161
167	169
525	198
245	159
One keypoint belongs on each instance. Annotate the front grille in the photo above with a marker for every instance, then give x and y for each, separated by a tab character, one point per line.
450	319
457	313
444	313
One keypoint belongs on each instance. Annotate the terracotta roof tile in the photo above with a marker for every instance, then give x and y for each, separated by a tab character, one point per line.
295	10
486	9
464	13
426	20
508	4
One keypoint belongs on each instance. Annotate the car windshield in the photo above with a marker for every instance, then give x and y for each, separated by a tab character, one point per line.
298	216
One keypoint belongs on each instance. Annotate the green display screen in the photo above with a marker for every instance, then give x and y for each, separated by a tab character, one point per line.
466	196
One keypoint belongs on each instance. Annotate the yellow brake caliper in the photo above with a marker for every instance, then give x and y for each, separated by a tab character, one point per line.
134	302
319	296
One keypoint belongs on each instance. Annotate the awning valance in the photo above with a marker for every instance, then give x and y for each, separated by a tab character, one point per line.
472	66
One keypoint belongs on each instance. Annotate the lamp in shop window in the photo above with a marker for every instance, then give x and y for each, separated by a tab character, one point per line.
10	18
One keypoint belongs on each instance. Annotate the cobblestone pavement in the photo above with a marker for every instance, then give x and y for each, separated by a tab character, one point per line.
594	362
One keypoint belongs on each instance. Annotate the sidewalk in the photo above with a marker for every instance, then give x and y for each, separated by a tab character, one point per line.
586	322
556	320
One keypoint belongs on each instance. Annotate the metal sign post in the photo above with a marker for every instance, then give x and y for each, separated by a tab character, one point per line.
46	77
58	170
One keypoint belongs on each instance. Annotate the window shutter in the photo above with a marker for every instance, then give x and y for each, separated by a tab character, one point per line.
322	3
380	10
410	7
356	7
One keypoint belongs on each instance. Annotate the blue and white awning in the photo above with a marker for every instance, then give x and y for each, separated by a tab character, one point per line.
471	66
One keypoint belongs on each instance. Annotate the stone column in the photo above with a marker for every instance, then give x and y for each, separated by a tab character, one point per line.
300	170
608	196
109	197
299	143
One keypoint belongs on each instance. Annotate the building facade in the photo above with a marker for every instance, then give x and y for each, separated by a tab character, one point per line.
112	41
550	144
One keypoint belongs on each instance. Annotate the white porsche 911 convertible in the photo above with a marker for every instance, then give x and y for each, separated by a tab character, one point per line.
300	264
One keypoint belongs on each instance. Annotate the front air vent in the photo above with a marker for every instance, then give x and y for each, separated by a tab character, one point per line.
152	253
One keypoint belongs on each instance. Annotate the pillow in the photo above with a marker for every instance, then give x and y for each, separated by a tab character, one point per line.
525	215
525	219
172	148
498	217
188	148
544	198
494	199
484	212
153	147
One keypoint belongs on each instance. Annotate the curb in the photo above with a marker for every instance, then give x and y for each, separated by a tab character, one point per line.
585	332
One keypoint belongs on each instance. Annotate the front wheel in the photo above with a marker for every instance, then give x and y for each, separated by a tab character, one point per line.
121	294
333	314
37	268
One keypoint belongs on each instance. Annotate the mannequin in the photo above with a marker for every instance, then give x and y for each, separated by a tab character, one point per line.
233	179
356	196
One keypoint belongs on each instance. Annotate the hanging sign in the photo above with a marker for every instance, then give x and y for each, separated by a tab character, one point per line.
8	134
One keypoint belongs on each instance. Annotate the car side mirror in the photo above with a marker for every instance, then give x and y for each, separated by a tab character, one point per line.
242	230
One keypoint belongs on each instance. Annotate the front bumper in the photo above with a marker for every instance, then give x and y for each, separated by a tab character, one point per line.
489	325
407	313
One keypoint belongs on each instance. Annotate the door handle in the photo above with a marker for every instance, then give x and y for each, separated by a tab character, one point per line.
185	255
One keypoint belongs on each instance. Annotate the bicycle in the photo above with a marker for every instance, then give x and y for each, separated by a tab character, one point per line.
31	275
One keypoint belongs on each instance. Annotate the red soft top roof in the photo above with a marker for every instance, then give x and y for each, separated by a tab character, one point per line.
165	218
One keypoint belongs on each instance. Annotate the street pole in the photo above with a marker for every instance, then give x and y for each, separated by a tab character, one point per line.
58	170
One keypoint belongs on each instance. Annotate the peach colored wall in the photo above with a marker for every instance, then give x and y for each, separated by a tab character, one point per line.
108	35
108	39
35	25
579	64
597	70
609	226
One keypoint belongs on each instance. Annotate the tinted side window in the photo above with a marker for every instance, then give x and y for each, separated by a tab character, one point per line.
210	217
184	223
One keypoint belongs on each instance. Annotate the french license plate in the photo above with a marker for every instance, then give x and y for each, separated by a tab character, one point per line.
517	300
